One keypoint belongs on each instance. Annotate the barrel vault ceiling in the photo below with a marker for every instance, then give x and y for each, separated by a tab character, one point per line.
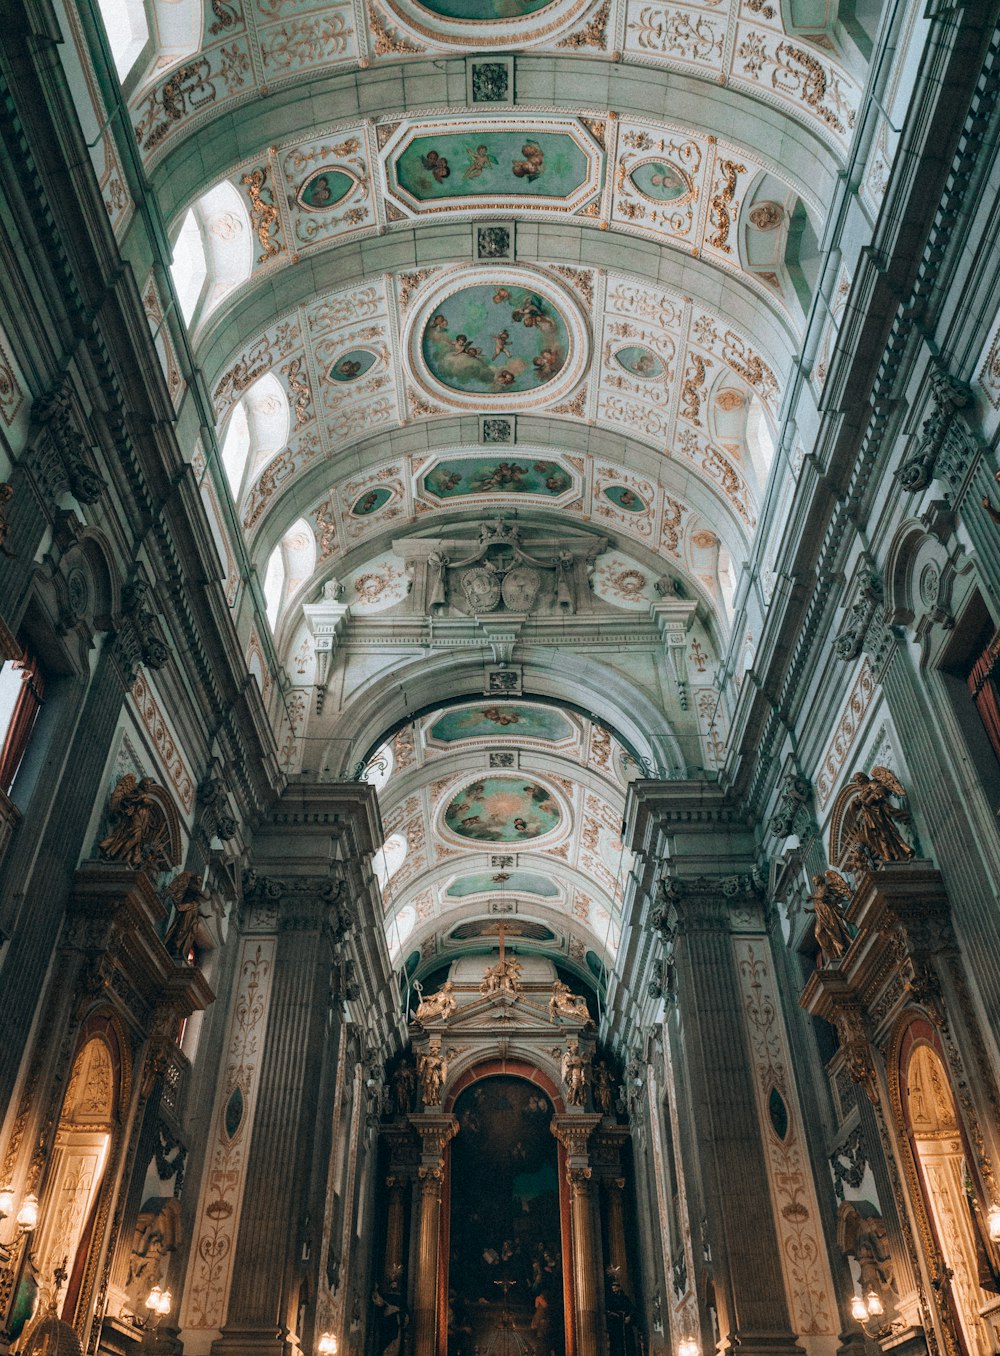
449	264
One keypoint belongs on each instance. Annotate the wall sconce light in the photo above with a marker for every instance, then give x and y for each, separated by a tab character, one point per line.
327	1345
688	1347
158	1302
865	1308
993	1223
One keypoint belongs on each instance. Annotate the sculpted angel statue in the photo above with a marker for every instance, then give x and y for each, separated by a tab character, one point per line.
874	818
563	1003
439	1006
187	897
133	839
830	893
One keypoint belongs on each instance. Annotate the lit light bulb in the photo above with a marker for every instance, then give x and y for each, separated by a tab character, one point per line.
688	1347
873	1303
992	1223
27	1216
166	1299
327	1345
6	1202
858	1311
153	1299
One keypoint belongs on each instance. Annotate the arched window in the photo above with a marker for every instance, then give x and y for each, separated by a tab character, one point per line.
127	28
190	266
274	585
389	858
21	691
399	928
236	449
759	441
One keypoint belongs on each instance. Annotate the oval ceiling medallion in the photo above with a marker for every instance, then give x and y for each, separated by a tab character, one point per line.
502	810
661	181
778	1112
488	23
352	365
483	11
624	498
325	189
640	361
371	501
488	339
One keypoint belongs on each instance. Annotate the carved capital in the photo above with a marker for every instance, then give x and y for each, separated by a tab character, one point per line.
57	414
792	815
579	1180
945	435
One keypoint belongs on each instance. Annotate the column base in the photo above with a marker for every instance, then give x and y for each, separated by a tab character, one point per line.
255	1342
762	1344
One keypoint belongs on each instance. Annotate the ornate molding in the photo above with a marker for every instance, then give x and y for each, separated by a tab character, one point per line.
56	414
945	435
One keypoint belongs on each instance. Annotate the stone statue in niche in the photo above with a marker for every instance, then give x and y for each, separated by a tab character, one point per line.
830	893
571	1006
565	590
861	1234
190	904
404	1085
575	1074
870	822
157	1234
432	1066
138	834
437	584
438	1007
604	1088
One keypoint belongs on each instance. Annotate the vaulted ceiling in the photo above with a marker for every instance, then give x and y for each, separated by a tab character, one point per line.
443	260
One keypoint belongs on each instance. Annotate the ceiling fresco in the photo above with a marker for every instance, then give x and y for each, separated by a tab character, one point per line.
540	842
258	44
503	810
503	300
699	352
492	338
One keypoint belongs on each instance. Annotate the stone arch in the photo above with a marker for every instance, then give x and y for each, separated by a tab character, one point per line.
456	675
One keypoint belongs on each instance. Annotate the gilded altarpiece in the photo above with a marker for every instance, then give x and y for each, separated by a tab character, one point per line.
909	1036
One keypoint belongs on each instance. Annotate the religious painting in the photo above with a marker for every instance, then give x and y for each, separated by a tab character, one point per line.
490	339
496	475
624	498
661	181
505	1259
511	882
640	361
506	720
325	189
502	810
352	365
371	501
494	161
483	11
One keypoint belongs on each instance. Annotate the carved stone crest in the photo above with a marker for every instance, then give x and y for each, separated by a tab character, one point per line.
482	589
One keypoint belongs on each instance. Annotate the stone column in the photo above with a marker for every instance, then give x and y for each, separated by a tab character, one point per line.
435	1131
573	1133
393	1229
749	1284
617	1250
263	1297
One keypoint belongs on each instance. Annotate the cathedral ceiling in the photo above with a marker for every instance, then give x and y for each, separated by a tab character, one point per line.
480	260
